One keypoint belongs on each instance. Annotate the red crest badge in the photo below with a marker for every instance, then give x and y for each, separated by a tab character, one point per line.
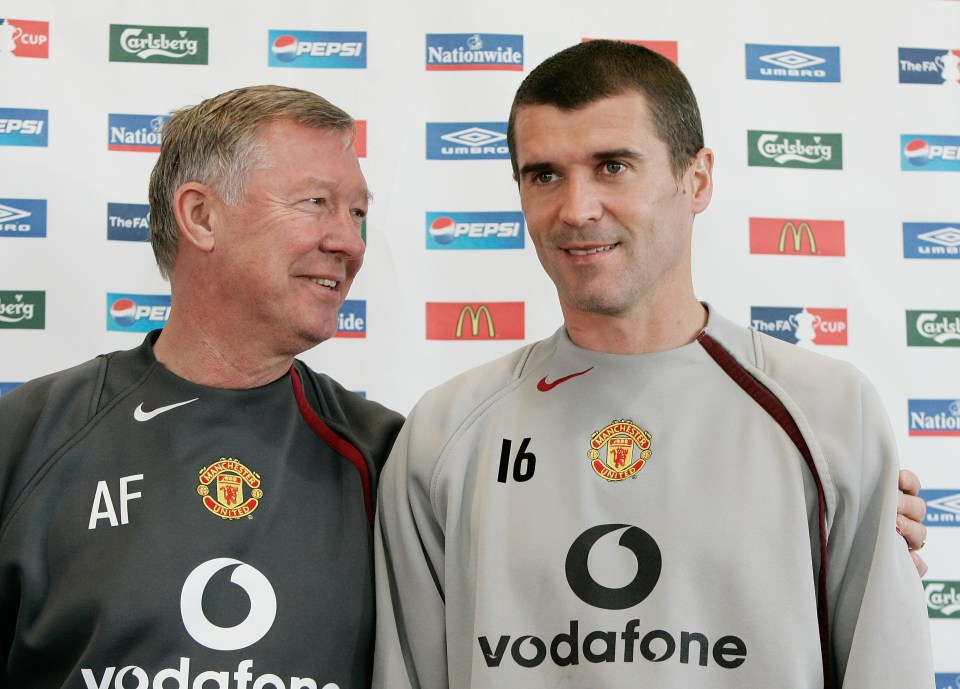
228	500
619	451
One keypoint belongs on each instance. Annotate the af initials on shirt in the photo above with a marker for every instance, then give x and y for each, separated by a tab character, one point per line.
103	504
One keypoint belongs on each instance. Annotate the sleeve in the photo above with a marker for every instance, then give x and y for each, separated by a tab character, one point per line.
409	548
881	634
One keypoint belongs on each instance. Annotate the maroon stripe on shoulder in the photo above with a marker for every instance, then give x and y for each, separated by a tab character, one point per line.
775	408
335	441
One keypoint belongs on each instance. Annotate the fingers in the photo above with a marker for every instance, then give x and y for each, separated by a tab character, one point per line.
910	512
919	563
911	507
909	482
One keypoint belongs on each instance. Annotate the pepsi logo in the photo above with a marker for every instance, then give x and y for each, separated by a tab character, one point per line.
442	230
917	152
285	48
124	311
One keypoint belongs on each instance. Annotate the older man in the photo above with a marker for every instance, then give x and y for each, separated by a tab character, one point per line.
198	511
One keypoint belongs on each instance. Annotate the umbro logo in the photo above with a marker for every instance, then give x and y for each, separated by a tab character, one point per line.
140	415
544	386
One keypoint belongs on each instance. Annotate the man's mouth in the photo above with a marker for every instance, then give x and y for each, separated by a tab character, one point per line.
595	250
324	282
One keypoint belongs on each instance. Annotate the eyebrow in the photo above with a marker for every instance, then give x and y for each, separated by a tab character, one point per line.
614	153
611	154
327	183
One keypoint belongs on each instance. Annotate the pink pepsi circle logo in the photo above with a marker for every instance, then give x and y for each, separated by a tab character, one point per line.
917	152
442	230
285	48
124	311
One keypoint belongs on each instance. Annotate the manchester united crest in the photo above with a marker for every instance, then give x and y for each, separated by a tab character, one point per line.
619	451
222	488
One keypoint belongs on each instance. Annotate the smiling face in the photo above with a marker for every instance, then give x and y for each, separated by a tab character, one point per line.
287	254
610	221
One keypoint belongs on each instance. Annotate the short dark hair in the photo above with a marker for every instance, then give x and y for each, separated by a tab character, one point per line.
590	71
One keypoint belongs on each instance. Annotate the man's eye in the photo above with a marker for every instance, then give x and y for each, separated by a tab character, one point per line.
544	177
359	212
614	167
317	201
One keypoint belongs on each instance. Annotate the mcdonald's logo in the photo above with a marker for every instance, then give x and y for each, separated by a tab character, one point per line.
797	237
482	310
475	321
797	233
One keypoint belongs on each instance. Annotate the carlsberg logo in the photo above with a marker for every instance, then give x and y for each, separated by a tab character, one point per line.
795	149
943	598
170	44
24	310
933	328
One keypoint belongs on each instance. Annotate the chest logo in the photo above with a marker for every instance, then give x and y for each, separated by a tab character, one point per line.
619	450
222	489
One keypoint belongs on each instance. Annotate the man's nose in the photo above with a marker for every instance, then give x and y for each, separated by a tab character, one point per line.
581	203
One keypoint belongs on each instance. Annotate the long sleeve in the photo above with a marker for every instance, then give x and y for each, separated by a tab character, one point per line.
879	609
411	620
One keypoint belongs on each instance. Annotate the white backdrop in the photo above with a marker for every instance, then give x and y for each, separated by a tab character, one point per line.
66	65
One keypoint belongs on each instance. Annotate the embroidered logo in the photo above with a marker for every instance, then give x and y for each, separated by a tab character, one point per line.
619	451
140	414
544	386
227	499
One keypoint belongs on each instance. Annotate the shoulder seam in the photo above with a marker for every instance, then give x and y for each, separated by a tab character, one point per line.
475	414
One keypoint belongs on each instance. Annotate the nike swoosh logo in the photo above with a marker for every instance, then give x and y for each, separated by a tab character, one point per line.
544	386
141	415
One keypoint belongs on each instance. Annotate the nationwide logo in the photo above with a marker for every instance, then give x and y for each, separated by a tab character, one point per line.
463	51
933	328
931	240
352	319
475	321
185	45
947	680
23	310
934	417
666	48
128	222
799	325
929	66
317	49
228	477
139	313
619	451
929	153
797	237
7	387
793	63
479	230
467	141
795	149
23	38
943	507
943	599
23	218
135	132
23	127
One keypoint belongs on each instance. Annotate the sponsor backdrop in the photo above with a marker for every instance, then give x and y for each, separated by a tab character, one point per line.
835	224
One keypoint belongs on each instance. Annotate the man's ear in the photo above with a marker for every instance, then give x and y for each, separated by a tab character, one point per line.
701	180
195	207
